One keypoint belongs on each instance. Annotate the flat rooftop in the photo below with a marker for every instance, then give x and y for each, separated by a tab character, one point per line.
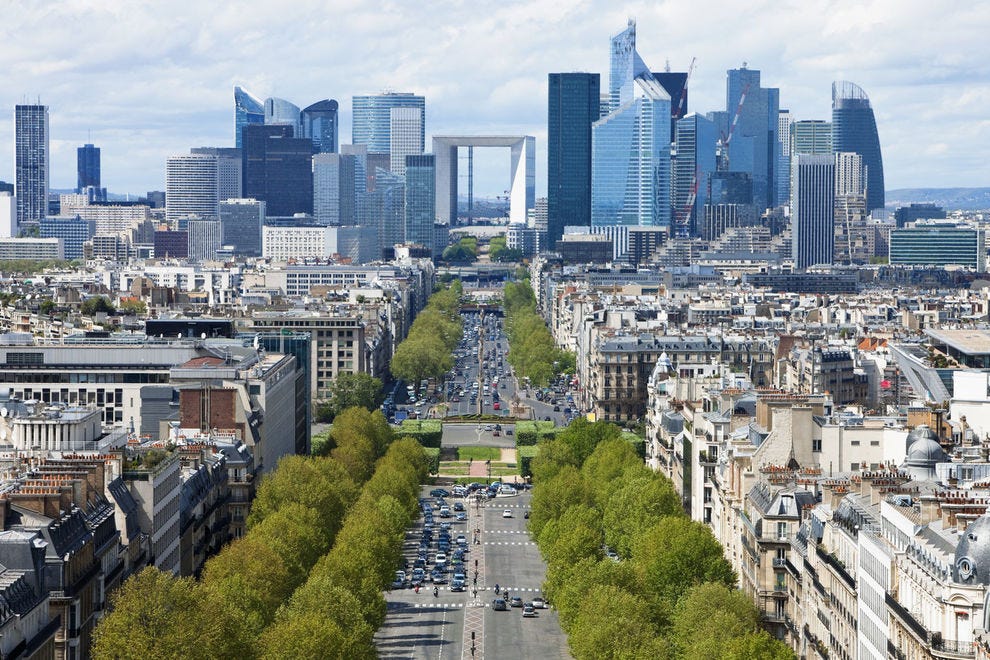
971	341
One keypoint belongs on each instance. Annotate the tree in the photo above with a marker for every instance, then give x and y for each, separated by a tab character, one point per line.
47	307
709	617
156	615
315	635
133	307
555	496
757	645
569	586
676	554
636	505
358	389
584	436
95	305
613	631
293	532
610	459
575	535
308	482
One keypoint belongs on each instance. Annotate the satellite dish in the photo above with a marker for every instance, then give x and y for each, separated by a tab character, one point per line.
202	335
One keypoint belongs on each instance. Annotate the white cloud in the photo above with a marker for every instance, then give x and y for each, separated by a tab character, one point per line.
149	79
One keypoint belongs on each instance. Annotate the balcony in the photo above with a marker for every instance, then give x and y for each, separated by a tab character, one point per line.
779	562
950	648
836	565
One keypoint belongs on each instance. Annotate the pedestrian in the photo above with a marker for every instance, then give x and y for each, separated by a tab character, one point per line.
436	592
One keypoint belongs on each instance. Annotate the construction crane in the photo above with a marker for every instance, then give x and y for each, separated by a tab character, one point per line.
722	147
682	104
682	220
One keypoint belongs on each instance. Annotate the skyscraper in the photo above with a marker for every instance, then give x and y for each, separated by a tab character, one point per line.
813	209
283	113
228	170
277	168
203	239
694	161
420	199
333	189
630	147
320	125
854	128
754	139
783	176
87	167
371	119
247	110
574	104
811	136
31	161
850	175
240	225
191	187
405	136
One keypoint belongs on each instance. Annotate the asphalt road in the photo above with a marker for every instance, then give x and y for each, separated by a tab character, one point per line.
424	626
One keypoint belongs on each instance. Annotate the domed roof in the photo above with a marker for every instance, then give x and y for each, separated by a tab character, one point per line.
972	564
918	433
925	452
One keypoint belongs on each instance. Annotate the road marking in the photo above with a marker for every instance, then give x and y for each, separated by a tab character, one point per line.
443	624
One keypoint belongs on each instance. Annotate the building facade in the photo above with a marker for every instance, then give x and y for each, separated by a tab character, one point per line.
406	136
191	187
813	209
420	200
320	124
241	221
277	168
32	161
371	118
854	128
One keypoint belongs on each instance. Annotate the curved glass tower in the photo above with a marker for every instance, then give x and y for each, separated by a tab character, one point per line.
247	110
320	124
279	112
854	128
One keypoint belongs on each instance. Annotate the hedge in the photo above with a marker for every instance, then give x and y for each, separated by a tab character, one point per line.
529	433
433	458
426	431
638	443
525	456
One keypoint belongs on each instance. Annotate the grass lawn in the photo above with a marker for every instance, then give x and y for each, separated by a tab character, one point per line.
478	453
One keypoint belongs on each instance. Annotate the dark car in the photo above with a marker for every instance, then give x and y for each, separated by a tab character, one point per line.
439	492
516	601
499	605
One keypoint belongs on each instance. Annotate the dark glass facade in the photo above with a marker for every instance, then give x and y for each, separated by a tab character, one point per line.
320	125
277	168
421	207
87	167
247	110
574	103
854	128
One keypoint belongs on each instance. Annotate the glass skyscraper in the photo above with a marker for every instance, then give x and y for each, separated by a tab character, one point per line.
693	162
87	167
574	104
241	221
277	168
813	209
854	128
282	112
31	161
247	110
319	122
333	189
421	207
372	118
631	165
753	147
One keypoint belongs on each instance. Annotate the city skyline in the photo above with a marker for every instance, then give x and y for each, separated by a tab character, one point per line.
143	90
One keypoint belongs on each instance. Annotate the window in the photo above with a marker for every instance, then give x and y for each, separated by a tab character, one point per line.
816	444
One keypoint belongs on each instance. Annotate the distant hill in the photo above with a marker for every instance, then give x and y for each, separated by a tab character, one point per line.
951	199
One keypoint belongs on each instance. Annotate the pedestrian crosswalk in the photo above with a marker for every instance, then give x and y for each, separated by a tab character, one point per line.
509	543
506	531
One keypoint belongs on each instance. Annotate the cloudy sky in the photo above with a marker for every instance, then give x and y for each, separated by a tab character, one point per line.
143	80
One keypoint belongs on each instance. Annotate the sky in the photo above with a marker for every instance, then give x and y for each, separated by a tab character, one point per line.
144	80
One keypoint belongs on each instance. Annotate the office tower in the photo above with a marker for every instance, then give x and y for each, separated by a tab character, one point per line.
630	147
939	246
31	161
754	138
384	210
420	199
8	215
630	167
405	136
191	187
783	176
574	104
902	216
203	238
171	244
813	209
156	199
88	170
363	171
850	174
693	162
277	168
241	221
371	118
228	170
854	128
333	189
319	122
374	162
811	136
279	112
247	110
675	84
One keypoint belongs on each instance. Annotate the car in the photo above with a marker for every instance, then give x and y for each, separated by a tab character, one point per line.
507	513
508	431
445	512
438	577
461	539
459	506
460	516
499	605
457	585
539	603
556	408
440	558
439	492
516	601
529	610
497	406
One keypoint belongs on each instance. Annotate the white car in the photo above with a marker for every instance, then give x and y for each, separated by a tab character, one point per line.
507	513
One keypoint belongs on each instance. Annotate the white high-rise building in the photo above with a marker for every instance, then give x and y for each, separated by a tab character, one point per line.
204	238
8	215
229	169
405	136
850	174
191	187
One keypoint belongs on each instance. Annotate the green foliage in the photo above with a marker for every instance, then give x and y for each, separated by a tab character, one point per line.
610	625
499	251
463	251
530	432
322	484
710	617
133	308
433	454
359	438
47	307
532	352
427	351
428	432
583	436
350	390
95	305
30	266
525	457
637	503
